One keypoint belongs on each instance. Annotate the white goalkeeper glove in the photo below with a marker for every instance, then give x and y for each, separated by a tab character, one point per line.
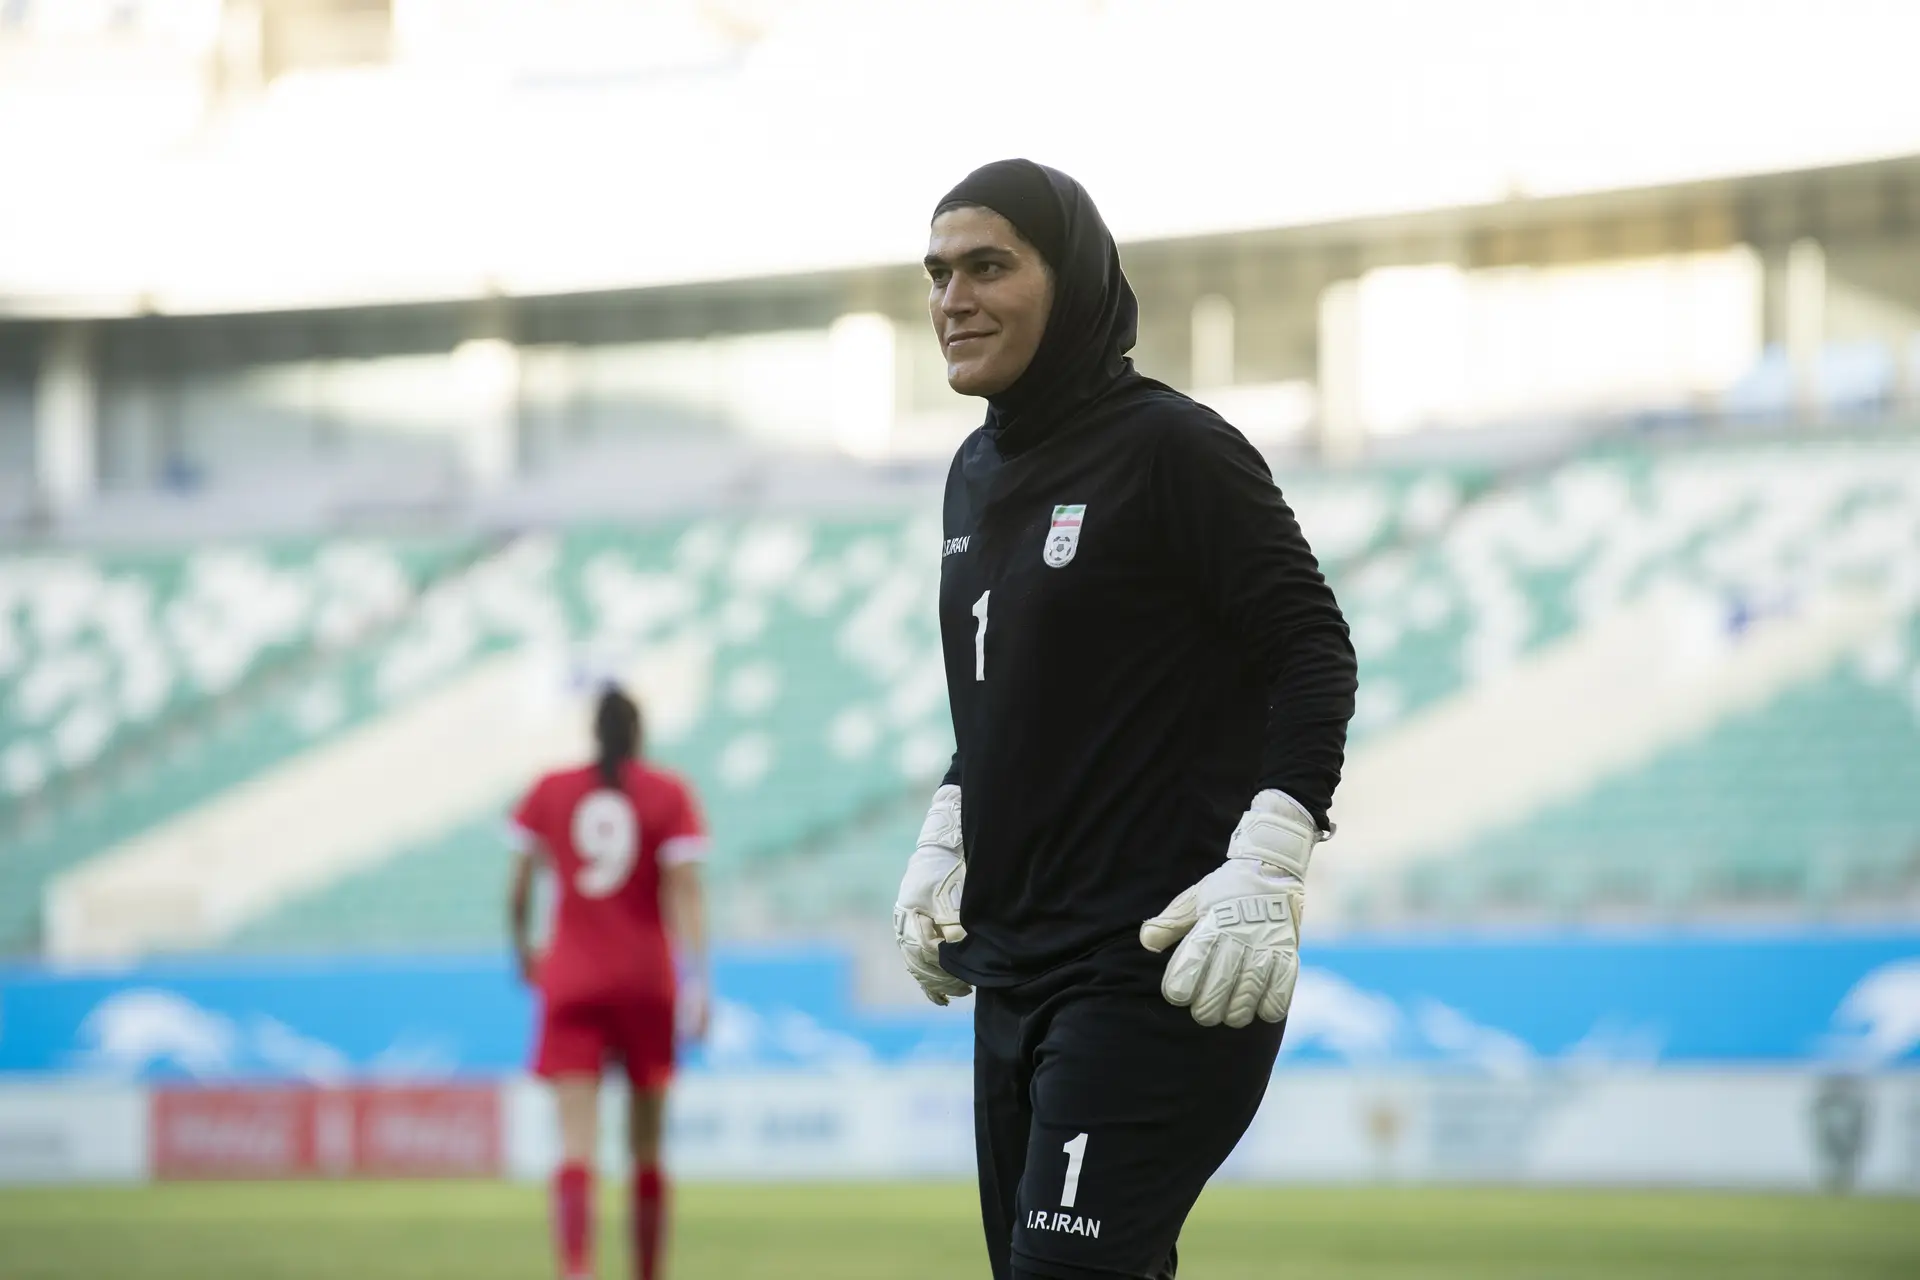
1239	927
928	909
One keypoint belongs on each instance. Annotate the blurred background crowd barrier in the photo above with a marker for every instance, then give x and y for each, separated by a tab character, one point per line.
377	375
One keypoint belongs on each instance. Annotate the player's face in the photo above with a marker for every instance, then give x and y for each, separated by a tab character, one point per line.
989	293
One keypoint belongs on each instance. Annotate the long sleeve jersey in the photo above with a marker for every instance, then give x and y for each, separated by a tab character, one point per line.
1137	639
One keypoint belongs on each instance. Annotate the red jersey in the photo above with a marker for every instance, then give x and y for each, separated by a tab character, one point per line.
607	847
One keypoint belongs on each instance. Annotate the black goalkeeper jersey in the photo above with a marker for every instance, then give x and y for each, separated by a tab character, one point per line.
1137	640
1137	637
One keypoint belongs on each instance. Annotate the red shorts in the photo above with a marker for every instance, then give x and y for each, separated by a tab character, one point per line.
586	1037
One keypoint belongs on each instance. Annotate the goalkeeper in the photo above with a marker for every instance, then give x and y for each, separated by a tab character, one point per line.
1150	684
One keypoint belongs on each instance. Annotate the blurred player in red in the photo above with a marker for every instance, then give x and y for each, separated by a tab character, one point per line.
624	842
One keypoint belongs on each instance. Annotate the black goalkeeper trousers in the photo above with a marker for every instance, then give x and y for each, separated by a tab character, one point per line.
1099	1113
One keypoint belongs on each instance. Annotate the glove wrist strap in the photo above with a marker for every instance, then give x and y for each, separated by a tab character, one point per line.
1286	865
1275	831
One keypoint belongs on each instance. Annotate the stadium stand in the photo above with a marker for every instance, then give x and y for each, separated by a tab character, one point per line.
814	717
1733	532
1736	534
136	685
1804	803
95	647
1741	530
823	693
827	716
1801	800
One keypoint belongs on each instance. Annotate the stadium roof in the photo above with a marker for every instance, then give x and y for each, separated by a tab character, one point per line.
819	150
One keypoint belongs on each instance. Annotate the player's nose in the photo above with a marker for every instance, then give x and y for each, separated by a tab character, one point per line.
957	298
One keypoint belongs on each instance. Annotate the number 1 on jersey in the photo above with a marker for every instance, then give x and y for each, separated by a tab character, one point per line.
1076	1154
980	636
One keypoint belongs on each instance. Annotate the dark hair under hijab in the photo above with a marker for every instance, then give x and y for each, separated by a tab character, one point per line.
616	728
1083	350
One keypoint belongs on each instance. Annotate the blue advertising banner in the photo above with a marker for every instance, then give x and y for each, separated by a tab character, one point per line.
1495	1006
1805	998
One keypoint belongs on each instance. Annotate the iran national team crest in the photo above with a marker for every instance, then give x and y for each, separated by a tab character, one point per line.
1063	539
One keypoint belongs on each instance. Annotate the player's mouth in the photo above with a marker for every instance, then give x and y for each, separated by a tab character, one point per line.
956	340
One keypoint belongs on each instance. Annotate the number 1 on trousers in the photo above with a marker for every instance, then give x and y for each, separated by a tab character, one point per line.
1076	1152
980	636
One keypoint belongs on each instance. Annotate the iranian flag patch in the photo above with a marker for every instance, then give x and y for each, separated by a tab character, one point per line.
1063	538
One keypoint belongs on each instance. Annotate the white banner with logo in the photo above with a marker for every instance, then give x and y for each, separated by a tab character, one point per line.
1730	1128
892	1122
1721	1127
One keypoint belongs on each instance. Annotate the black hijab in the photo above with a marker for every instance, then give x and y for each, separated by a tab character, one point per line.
1083	350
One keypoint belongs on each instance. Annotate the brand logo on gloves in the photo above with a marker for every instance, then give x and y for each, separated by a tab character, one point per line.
954	546
1063	538
1251	911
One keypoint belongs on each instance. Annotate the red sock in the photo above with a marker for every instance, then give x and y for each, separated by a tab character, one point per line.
573	1219
649	1221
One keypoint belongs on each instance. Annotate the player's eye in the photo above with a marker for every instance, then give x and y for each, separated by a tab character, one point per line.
939	275
989	270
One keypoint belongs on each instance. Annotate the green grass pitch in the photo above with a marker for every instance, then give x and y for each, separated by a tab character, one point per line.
492	1231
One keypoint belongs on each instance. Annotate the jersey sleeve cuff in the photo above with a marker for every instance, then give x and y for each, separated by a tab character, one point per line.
681	851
